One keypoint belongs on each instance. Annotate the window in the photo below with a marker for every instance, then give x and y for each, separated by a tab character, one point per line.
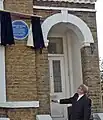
55	45
57	76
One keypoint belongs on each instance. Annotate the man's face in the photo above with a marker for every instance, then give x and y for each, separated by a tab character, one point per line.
80	90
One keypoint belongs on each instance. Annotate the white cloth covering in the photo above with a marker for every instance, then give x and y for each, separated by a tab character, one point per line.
30	38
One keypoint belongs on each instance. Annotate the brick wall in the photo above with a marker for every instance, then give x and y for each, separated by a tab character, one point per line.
43	87
25	6
20	73
62	4
25	72
91	76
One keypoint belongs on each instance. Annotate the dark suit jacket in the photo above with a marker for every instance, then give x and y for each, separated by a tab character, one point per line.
81	109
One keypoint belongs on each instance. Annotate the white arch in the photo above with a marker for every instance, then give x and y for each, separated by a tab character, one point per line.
67	18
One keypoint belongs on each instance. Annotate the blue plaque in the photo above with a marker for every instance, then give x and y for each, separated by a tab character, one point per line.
20	29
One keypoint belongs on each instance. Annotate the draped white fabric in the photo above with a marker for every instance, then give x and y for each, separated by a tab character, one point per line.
30	38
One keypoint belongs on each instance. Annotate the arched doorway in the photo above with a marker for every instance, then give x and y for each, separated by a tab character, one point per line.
67	34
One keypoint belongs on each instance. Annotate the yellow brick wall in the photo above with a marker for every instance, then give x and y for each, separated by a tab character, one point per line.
27	76
26	72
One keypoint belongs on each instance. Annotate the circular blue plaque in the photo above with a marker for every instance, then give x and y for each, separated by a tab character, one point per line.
20	29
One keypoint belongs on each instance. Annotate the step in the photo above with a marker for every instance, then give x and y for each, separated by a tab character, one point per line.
43	117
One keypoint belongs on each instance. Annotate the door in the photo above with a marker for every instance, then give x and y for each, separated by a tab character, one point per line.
57	87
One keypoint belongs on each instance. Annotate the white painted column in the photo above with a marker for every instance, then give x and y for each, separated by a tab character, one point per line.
70	74
2	75
2	67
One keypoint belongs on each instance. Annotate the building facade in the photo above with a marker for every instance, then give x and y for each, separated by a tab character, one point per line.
31	79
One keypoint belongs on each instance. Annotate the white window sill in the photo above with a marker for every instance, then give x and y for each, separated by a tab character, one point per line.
4	119
20	104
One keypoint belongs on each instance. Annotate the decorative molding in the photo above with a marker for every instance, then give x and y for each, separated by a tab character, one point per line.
63	8
19	104
75	1
64	17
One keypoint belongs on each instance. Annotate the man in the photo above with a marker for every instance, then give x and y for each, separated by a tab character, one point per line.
81	104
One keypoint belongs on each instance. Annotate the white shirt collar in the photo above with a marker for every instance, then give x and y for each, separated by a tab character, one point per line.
80	97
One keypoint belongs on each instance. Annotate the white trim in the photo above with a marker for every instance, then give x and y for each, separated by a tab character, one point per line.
75	1
2	75
2	67
55	55
70	62
19	104
64	8
4	119
68	18
66	65
66	72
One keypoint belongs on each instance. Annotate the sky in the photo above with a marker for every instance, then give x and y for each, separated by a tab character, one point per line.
99	17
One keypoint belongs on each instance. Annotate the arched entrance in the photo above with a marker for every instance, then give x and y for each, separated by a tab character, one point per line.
67	34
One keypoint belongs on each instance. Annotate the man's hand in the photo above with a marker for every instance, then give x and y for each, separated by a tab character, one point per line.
55	101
